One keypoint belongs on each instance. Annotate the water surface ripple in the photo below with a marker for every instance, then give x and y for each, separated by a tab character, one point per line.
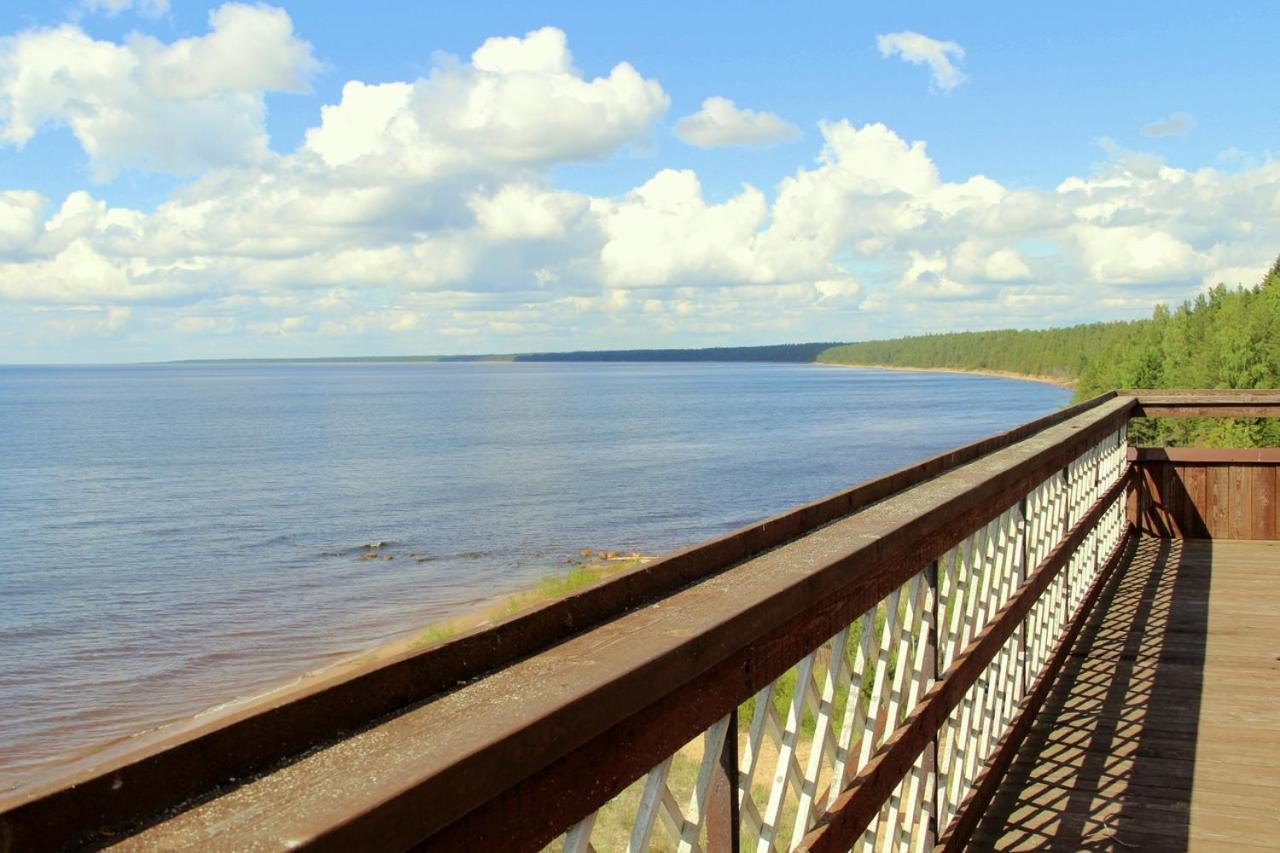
177	536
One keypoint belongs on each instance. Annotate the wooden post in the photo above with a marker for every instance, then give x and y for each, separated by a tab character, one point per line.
722	798
933	654
1024	562
1066	572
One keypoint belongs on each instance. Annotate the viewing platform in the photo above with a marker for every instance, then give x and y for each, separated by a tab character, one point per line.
1043	640
1163	729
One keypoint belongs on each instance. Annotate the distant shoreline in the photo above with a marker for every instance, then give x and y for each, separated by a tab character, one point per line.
551	358
541	359
1002	374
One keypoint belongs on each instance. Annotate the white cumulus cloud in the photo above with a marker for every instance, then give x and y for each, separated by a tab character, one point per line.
519	102
942	57
720	122
429	211
181	107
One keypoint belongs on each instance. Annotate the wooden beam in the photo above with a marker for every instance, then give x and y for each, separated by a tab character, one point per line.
110	791
1204	403
486	759
1207	455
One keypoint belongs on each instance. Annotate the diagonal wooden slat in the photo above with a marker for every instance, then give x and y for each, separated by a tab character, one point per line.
655	787
822	747
884	662
578	838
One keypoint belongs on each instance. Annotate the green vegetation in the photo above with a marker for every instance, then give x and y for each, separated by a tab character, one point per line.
1223	339
551	587
434	635
1056	353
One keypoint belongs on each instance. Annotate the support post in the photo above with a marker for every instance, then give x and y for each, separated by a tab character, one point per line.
722	799
1024	558
933	654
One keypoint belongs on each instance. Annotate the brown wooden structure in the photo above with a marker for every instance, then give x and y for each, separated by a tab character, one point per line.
859	672
1163	731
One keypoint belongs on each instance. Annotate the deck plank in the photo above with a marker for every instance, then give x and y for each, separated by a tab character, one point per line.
1163	731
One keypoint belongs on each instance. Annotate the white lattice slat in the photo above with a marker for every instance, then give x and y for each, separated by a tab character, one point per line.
696	814
789	772
578	838
898	705
655	786
855	710
822	749
923	664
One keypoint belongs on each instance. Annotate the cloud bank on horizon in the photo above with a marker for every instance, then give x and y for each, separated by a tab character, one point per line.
430	215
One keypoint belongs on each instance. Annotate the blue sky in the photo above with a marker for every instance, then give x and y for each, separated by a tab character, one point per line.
202	180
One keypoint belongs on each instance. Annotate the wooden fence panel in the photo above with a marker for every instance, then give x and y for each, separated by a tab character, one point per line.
1207	493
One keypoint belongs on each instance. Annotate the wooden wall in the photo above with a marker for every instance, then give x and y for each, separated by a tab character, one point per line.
1203	493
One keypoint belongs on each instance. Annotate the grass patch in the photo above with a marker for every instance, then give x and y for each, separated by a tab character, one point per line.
553	586
434	635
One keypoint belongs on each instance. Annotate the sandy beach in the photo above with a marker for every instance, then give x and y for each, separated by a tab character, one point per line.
1003	374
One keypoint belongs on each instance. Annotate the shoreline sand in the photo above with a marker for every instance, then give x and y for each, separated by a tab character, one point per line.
481	615
1002	374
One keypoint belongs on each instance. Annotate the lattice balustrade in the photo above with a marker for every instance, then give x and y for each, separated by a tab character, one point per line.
854	673
800	742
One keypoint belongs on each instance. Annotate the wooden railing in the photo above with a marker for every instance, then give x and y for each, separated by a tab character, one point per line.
856	673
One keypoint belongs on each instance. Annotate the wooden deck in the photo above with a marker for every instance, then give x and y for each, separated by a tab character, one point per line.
1163	730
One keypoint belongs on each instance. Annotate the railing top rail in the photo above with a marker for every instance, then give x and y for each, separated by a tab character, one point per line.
1207	455
158	773
1206	393
532	714
1212	403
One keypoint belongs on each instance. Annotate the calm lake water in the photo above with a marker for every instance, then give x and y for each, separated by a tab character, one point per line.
178	536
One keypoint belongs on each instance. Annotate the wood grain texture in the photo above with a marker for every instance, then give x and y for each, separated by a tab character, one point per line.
1163	732
1204	454
1193	483
1218	497
1171	497
1193	499
1263	515
1239	507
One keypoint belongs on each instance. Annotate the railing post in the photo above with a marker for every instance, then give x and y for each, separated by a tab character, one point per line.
1066	526
722	798
933	654
1024	566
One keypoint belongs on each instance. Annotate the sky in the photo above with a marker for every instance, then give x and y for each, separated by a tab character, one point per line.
196	180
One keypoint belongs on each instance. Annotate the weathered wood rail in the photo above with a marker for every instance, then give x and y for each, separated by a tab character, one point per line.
855	673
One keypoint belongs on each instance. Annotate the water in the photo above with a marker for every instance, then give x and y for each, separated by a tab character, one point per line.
177	536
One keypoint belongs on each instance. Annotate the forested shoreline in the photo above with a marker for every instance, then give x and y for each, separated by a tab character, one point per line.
1225	338
1062	353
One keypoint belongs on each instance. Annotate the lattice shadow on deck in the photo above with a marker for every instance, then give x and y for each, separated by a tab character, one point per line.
1110	760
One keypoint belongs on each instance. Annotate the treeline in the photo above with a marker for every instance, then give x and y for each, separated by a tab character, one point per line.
1057	353
1223	339
1226	338
796	353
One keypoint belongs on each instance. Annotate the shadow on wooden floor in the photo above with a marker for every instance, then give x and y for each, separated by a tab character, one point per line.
1110	760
